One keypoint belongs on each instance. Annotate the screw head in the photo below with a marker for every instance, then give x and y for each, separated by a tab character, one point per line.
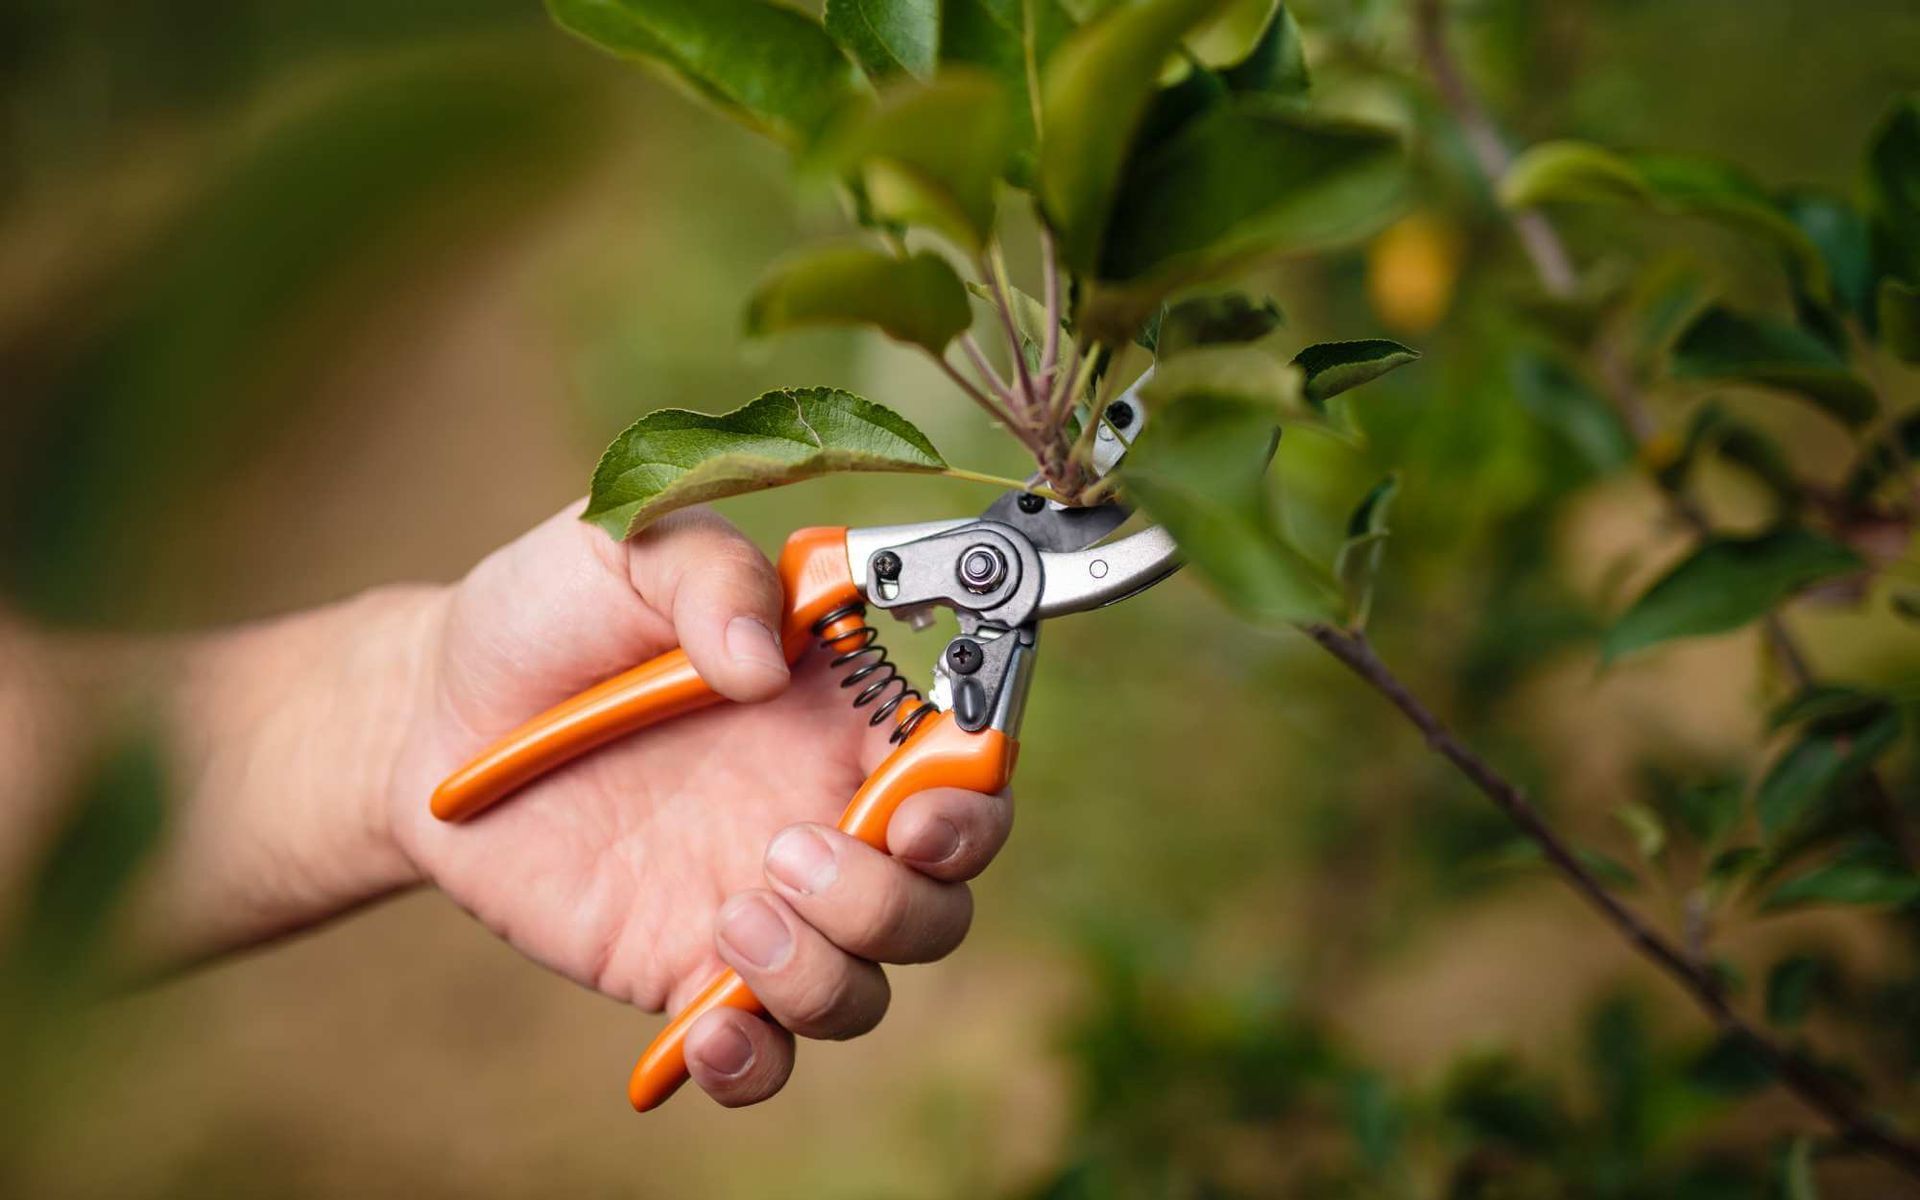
1030	503
1120	414
964	656
886	565
981	569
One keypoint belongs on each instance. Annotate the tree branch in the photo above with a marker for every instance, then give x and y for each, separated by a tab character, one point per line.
1802	1078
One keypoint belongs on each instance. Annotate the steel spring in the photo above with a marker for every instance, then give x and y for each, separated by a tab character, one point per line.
879	680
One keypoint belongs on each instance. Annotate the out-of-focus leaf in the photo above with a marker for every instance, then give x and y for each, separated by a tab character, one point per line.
1899	314
1731	347
1250	378
1791	987
1866	885
1199	469
1649	834
1796	1171
1030	319
1094	92
1708	810
1730	1067
1607	869
1732	865
1373	1119
763	63
1839	232
1893	181
1726	583
1620	1057
116	821
1828	706
671	458
1818	765
1210	320
1715	431
888	37
1570	172
1358	564
1254	178
1012	40
918	299
929	154
1907	605
1330	368
1889	454
1564	403
1277	63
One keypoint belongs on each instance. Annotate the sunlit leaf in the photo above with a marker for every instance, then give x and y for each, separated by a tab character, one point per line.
918	300
888	37
1256	178
1899	316
763	63
1277	64
1649	834
1199	469
672	458
1860	883
930	154
1726	583
1334	367
1231	34
1094	92
1823	761
1570	172
1730	347
1358	564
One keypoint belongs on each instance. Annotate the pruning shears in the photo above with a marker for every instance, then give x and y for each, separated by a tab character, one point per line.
1023	561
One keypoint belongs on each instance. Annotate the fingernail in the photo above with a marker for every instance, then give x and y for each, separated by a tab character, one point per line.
801	859
752	930
727	1053
752	644
936	842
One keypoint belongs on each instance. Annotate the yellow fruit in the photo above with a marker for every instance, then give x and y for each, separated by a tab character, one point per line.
1411	271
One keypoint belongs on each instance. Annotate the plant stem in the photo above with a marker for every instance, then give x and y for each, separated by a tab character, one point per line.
1050	353
979	397
1805	1080
1038	489
978	357
1004	290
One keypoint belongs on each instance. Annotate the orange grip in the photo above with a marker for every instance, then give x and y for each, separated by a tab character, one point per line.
816	579
938	754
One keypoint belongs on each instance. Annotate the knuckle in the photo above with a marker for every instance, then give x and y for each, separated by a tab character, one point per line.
885	926
838	1007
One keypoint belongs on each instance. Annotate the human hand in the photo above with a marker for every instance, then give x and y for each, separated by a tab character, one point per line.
643	868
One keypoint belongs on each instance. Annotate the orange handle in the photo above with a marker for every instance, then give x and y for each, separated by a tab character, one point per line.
816	578
938	754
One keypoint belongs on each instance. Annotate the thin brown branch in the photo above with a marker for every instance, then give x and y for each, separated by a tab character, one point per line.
978	357
1799	1076
1003	290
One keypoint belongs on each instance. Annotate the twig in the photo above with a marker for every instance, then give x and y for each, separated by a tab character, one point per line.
978	358
1050	354
997	264
1805	1080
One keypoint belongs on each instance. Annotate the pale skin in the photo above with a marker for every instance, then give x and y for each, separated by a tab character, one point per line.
305	749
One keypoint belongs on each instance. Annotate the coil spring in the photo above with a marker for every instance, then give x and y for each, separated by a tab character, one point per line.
875	675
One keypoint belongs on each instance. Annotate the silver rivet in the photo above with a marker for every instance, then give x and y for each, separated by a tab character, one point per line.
1098	568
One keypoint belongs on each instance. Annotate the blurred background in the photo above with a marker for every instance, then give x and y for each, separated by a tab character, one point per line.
302	296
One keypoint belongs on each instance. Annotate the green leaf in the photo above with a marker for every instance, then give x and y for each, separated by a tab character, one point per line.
1358	564
1093	94
1899	319
1030	320
763	63
1828	706
1199	469
1277	65
1210	320
1893	184
1578	415
1889	455
1232	34
1011	40
1256	178
929	154
1906	605
1726	583
1334	367
672	458
888	37
1791	987
917	300
1730	347
1817	766
1570	172
1249	377
1866	885
1839	233
1715	431
1607	869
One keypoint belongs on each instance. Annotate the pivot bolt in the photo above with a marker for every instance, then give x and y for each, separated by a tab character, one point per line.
886	565
982	568
964	656
1120	414
1031	503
